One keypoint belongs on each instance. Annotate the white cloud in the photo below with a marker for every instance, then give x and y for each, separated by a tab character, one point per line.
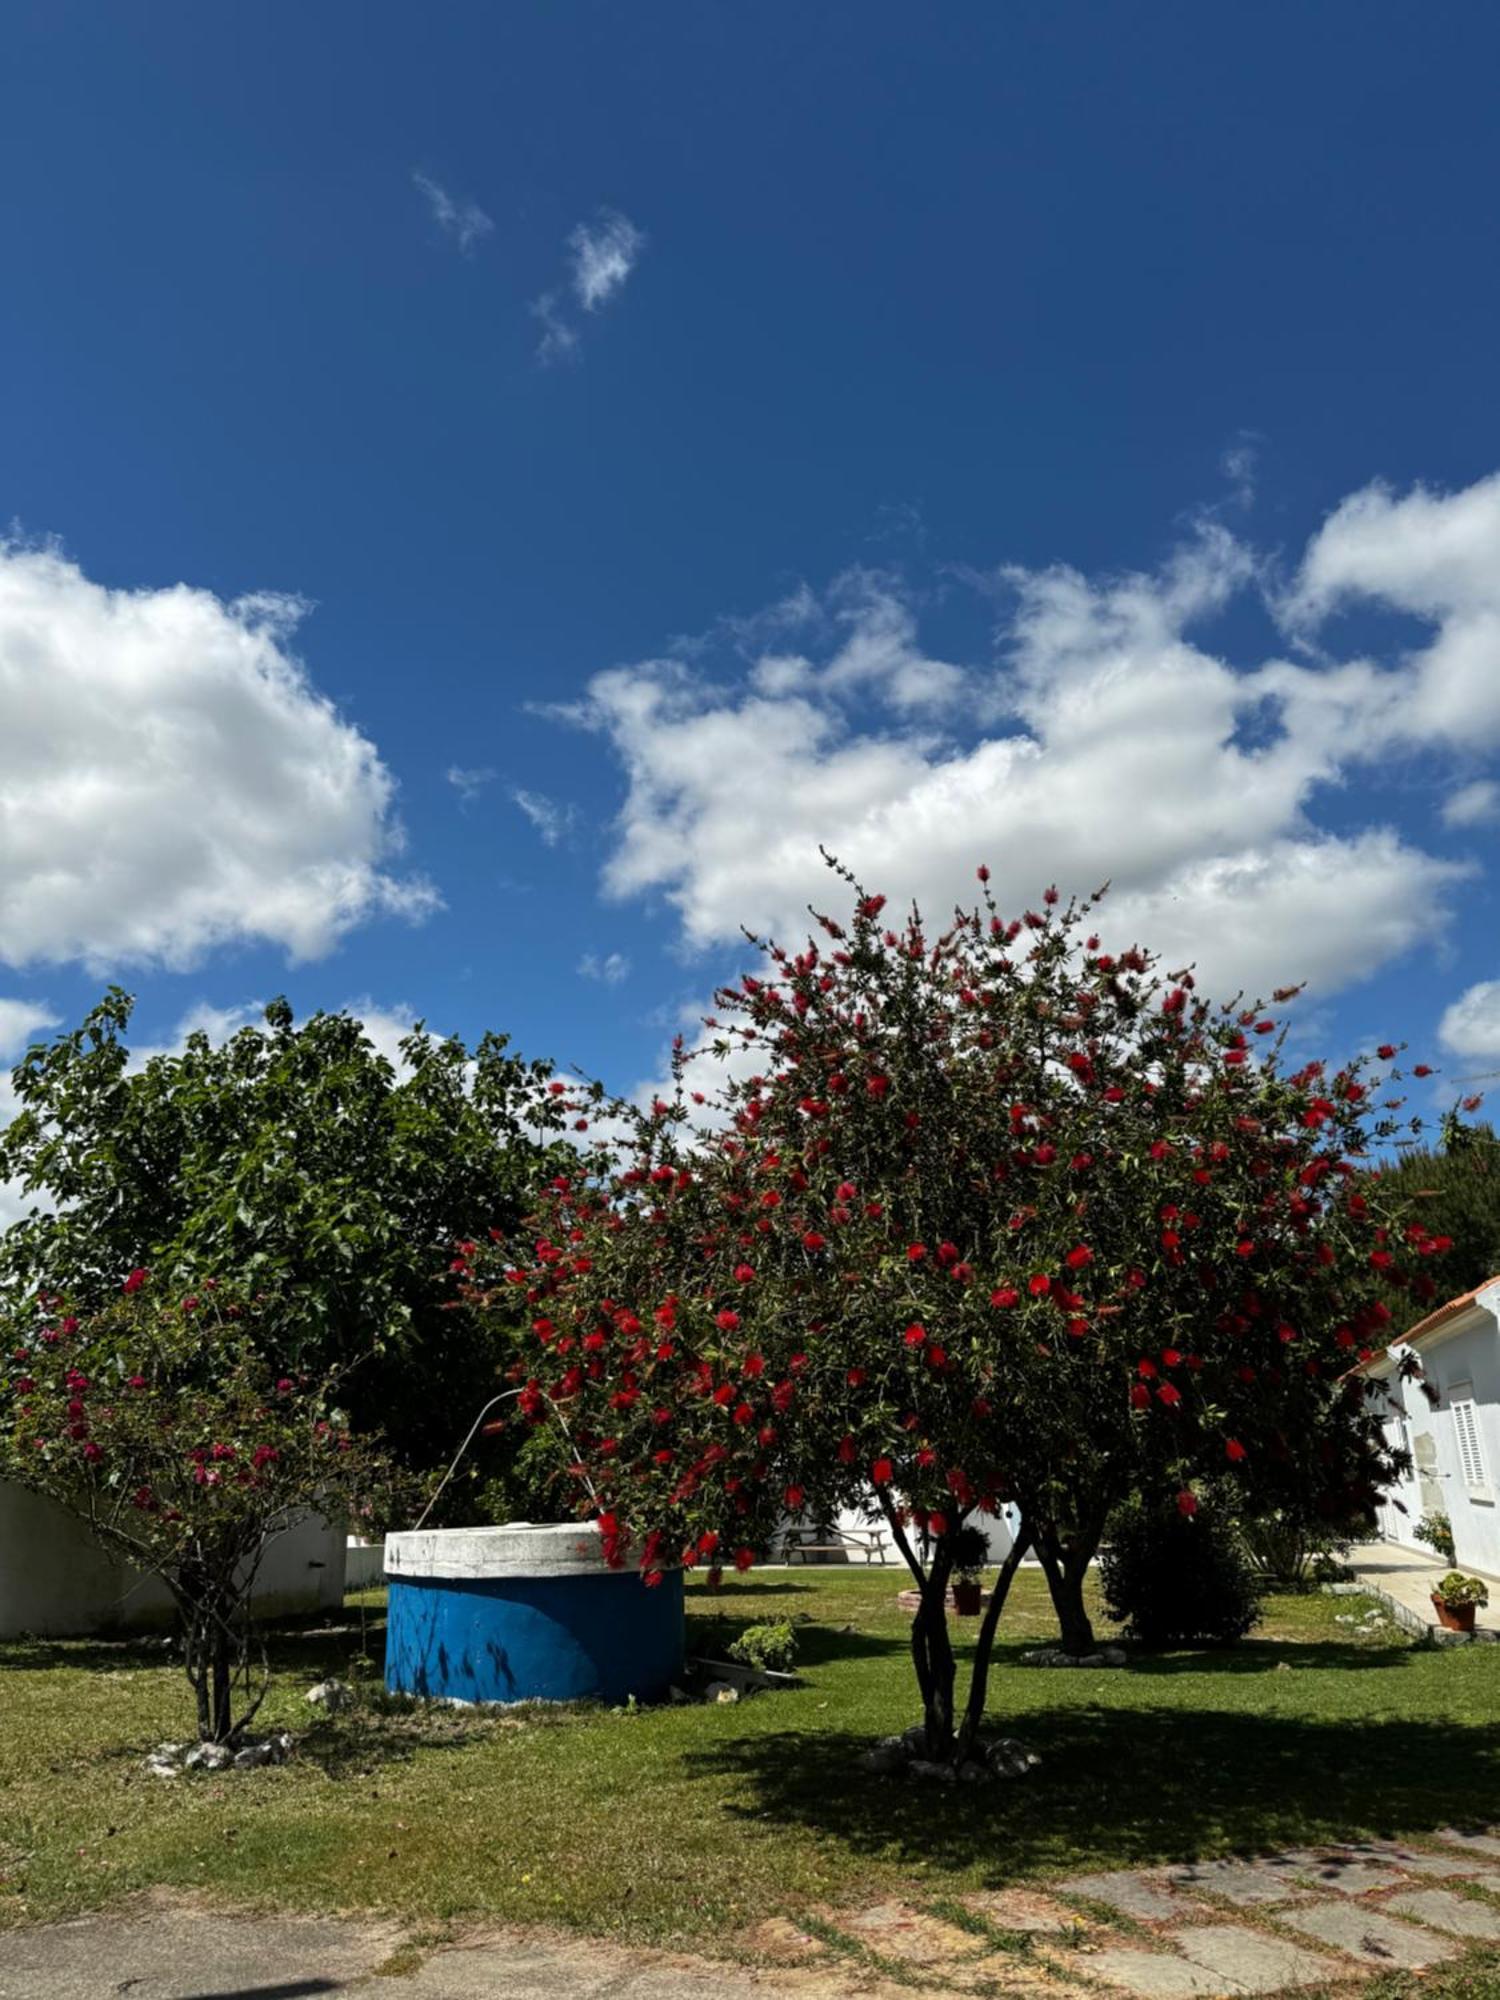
464	220
1471	1026
468	783
609	970
171	781
559	341
1473	805
1436	555
605	252
1105	739
21	1023
551	820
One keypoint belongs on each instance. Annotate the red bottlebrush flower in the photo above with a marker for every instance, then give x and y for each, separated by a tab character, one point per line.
1187	1503
1078	1257
877	1086
982	872
1386	1051
1040	1285
857	1377
938	1523
915	1335
813	1241
882	1472
284	1386
794	1497
726	1321
1234	1451
1140	1396
744	1273
755	1367
947	1253
1081	1162
846	1451
1146	1369
915	1252
1004	1296
1422	1069
136	1279
1044	1154
1169	1394
744	1559
1170	1357
937	1357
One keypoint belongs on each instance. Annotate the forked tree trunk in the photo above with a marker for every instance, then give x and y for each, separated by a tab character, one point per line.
1065	1567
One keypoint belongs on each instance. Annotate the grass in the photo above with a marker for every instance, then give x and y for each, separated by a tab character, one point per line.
684	1825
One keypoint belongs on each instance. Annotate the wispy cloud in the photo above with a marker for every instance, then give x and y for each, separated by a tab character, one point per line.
605	252
559	341
464	220
1474	805
468	783
609	970
551	820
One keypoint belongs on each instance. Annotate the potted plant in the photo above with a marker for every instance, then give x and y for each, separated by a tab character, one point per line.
1436	1530
1456	1600
971	1552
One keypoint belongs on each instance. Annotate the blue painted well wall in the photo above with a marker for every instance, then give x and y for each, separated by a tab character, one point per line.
596	1635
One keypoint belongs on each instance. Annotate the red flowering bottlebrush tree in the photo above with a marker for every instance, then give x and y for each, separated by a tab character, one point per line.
989	1217
162	1427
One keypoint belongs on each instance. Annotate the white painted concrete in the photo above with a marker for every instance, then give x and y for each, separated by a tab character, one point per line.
56	1583
1460	1363
520	1548
364	1564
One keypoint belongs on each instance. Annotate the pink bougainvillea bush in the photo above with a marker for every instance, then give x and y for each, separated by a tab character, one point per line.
993	1214
160	1424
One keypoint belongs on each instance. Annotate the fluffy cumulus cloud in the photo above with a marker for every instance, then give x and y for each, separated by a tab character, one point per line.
22	1022
170	780
1104	737
1471	1026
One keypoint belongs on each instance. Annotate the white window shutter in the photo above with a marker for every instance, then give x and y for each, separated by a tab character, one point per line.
1470	1448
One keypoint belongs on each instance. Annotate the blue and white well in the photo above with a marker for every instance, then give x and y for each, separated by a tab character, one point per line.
527	1612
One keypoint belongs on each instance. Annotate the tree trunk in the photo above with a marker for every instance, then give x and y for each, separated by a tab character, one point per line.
932	1653
979	1677
1065	1569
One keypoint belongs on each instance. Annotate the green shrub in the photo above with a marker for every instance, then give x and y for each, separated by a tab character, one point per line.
1436	1530
770	1649
1175	1580
1290	1552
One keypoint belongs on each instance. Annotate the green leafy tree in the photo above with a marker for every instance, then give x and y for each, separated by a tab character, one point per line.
163	1426
1454	1189
993	1216
290	1160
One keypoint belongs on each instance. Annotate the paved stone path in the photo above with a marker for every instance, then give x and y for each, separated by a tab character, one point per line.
1267	1924
1402	1579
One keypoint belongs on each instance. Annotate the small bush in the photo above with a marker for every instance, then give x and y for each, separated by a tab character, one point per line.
1175	1580
1291	1553
770	1649
1436	1530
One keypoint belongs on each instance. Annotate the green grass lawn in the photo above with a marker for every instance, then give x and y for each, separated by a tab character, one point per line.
686	1824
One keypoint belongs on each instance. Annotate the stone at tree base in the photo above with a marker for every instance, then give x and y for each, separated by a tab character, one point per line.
331	1695
1134	1895
1371	1935
886	1758
1447	1912
923	1767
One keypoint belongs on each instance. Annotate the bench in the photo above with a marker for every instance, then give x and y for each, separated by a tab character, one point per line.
868	1542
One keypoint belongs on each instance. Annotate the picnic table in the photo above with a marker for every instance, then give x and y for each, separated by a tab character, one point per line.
800	1543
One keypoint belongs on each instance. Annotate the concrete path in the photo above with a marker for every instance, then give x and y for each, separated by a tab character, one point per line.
1403	1579
1262	1924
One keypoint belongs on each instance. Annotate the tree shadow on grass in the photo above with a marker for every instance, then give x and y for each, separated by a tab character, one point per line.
1117	1788
1259	1656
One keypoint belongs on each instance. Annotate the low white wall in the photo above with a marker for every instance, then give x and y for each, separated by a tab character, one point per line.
364	1564
55	1583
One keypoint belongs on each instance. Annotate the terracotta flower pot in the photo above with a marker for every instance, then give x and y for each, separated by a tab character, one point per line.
1454	1617
968	1599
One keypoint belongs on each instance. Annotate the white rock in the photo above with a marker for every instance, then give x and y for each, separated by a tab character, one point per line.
331	1695
721	1691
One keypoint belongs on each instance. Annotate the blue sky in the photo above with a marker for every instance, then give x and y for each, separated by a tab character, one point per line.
1058	436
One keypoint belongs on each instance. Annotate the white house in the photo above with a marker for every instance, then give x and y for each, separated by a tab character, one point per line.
1454	1439
56	1583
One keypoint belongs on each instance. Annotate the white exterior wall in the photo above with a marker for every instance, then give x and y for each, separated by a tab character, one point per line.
55	1583
1463	1360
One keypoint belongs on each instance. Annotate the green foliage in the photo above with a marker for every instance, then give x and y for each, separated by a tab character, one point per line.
295	1162
1455	1192
1175	1579
1290	1550
1436	1530
1457	1589
971	1553
767	1648
167	1427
